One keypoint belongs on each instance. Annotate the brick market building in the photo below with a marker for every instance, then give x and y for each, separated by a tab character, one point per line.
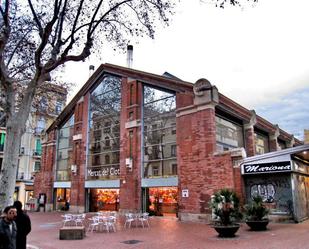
131	140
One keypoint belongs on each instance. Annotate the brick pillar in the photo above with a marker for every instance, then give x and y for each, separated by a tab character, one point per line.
249	135
196	140
237	157
130	133
43	181
77	198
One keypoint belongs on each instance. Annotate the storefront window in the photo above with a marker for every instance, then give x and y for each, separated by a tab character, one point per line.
104	200
64	150
229	135
104	132
162	201
159	126
261	144
63	198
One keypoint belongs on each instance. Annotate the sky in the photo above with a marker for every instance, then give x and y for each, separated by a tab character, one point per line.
256	55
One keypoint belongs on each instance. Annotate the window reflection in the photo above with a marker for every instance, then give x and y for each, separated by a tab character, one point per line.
159	115
229	135
261	143
104	132
65	150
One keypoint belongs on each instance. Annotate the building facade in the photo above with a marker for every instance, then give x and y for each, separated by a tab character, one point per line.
281	178
131	140
46	108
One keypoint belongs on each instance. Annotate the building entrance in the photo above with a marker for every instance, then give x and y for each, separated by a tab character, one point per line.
63	198
103	200
162	201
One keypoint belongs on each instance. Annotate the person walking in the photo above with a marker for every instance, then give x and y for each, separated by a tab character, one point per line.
8	228
23	224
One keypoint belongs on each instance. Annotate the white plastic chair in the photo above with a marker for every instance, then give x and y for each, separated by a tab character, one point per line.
79	219
129	219
144	217
67	218
110	223
94	225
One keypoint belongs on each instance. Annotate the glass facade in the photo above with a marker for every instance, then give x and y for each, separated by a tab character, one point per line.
104	130
261	143
65	150
228	134
159	133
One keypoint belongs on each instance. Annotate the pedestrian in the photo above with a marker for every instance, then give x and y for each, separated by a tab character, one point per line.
23	224
8	228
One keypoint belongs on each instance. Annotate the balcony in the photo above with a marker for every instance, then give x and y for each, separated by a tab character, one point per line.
22	176
37	153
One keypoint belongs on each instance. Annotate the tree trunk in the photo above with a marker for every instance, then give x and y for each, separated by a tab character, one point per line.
14	131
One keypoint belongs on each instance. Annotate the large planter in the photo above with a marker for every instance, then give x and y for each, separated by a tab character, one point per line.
226	231
257	225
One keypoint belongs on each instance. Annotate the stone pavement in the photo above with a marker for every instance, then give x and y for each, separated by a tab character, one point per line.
167	233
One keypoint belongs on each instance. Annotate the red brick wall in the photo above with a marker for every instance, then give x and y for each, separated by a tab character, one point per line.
184	99
273	145
130	179
250	142
239	184
77	197
196	140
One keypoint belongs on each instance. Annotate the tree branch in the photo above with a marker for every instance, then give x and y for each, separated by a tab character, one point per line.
44	39
17	46
107	13
36	19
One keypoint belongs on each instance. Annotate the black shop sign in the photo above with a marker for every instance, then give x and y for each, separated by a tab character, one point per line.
267	167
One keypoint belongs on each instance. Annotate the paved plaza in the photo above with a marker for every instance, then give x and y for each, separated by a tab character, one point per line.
166	233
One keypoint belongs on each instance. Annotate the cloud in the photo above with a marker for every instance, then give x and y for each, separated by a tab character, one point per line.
291	112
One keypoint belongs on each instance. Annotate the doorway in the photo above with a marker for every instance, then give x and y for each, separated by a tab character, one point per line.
161	201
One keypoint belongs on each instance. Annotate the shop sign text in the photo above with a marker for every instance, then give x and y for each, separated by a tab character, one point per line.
104	172
267	167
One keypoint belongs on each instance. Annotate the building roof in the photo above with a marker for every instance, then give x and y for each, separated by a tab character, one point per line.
148	78
172	83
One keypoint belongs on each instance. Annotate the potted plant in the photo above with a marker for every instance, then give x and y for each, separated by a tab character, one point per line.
256	214
226	210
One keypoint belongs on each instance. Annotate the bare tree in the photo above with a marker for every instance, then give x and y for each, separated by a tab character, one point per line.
37	37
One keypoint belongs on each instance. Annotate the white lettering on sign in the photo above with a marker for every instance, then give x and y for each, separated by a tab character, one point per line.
267	167
104	172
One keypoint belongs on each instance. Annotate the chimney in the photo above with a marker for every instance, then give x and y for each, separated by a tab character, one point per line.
91	70
129	56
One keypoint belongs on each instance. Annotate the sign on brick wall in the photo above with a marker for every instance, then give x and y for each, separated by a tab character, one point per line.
266	167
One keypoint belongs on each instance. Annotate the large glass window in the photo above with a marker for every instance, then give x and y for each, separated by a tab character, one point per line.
228	134
104	132
261	143
65	150
159	120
